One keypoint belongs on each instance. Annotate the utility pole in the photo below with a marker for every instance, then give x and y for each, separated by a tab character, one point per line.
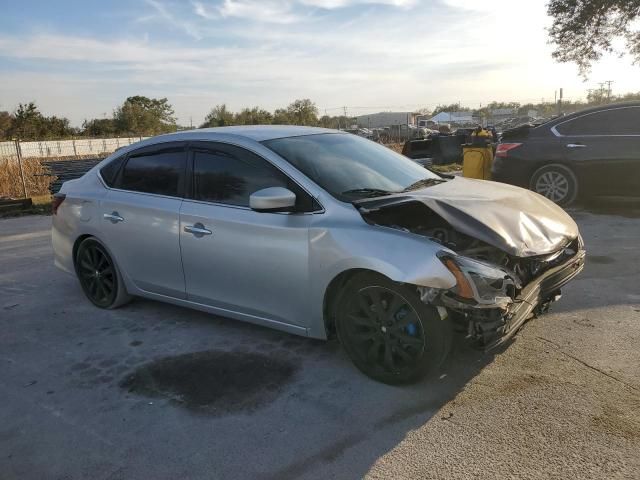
601	90
608	82
559	102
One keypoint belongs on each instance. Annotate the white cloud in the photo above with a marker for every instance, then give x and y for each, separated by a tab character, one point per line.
161	12
332	4
270	11
390	60
280	11
203	11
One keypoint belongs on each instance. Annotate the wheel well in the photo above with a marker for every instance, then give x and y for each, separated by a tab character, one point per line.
331	297
76	244
553	164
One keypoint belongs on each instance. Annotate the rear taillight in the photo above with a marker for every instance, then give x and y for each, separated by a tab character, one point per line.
57	200
503	148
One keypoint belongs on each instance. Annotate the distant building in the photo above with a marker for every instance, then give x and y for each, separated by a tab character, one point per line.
498	114
453	117
386	119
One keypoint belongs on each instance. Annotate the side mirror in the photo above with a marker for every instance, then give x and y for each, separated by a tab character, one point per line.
272	199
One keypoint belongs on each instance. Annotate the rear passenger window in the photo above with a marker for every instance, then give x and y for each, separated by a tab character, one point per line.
616	121
223	177
158	172
110	171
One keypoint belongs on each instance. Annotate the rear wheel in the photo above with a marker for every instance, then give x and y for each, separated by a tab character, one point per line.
99	275
388	332
556	182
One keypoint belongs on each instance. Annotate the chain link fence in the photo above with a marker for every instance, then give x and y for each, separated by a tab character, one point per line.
39	167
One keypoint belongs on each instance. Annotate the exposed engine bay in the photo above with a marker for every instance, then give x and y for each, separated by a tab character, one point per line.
487	302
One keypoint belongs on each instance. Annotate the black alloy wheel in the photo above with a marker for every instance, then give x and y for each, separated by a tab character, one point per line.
384	329
389	333
97	274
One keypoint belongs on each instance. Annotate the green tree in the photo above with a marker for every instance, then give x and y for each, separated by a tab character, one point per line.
583	30
27	121
340	121
629	96
6	121
253	116
303	112
219	116
452	107
55	127
281	117
145	116
99	127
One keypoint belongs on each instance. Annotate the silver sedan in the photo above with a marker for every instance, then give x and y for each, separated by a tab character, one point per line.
317	233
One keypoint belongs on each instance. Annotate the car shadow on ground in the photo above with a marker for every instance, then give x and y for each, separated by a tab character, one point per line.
327	415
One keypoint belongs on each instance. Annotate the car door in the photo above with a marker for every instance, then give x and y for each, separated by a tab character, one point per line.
140	218
604	148
237	259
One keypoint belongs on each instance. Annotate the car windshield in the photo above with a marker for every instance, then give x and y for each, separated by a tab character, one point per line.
350	167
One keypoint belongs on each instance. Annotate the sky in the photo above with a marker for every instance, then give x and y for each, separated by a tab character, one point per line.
81	59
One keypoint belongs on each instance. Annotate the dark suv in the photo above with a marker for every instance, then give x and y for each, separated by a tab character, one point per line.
594	152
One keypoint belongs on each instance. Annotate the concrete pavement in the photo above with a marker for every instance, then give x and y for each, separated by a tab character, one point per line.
562	401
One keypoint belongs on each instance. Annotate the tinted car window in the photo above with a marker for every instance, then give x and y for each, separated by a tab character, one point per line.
228	174
618	121
110	171
158	173
232	176
343	164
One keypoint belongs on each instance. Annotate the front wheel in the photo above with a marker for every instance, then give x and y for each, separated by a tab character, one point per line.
99	276
388	332
556	182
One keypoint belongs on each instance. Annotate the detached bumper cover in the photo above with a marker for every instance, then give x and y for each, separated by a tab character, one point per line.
534	294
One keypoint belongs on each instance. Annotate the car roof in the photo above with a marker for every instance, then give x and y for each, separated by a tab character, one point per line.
252	133
258	133
598	108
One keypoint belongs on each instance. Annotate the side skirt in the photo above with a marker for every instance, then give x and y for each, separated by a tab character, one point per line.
265	322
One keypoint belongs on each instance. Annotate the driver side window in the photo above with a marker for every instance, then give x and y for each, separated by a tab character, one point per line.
229	175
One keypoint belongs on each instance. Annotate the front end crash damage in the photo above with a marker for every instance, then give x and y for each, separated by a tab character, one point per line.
511	268
491	303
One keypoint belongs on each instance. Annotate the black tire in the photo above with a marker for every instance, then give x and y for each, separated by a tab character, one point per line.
99	275
556	182
388	332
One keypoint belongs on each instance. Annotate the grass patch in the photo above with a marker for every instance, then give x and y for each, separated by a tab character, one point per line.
35	178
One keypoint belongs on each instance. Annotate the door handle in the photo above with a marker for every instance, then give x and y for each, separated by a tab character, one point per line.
575	145
113	217
198	230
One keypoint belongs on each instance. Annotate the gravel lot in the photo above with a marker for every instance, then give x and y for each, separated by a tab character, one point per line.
80	387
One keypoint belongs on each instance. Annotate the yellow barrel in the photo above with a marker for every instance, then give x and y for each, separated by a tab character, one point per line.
477	158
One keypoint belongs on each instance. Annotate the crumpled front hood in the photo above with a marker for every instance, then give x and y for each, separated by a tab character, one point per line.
517	221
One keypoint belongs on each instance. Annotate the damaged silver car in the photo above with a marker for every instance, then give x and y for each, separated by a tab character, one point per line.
317	233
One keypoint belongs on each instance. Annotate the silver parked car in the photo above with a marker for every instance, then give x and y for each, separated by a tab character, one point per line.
316	232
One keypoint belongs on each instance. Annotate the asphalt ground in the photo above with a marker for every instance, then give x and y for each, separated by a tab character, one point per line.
157	391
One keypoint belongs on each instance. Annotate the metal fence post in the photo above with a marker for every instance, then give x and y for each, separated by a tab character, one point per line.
19	155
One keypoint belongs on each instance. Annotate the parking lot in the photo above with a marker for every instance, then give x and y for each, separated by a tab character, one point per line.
80	386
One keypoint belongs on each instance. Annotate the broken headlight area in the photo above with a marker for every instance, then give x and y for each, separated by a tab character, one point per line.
479	283
489	303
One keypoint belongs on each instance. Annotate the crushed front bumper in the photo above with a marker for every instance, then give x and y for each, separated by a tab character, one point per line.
534	295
